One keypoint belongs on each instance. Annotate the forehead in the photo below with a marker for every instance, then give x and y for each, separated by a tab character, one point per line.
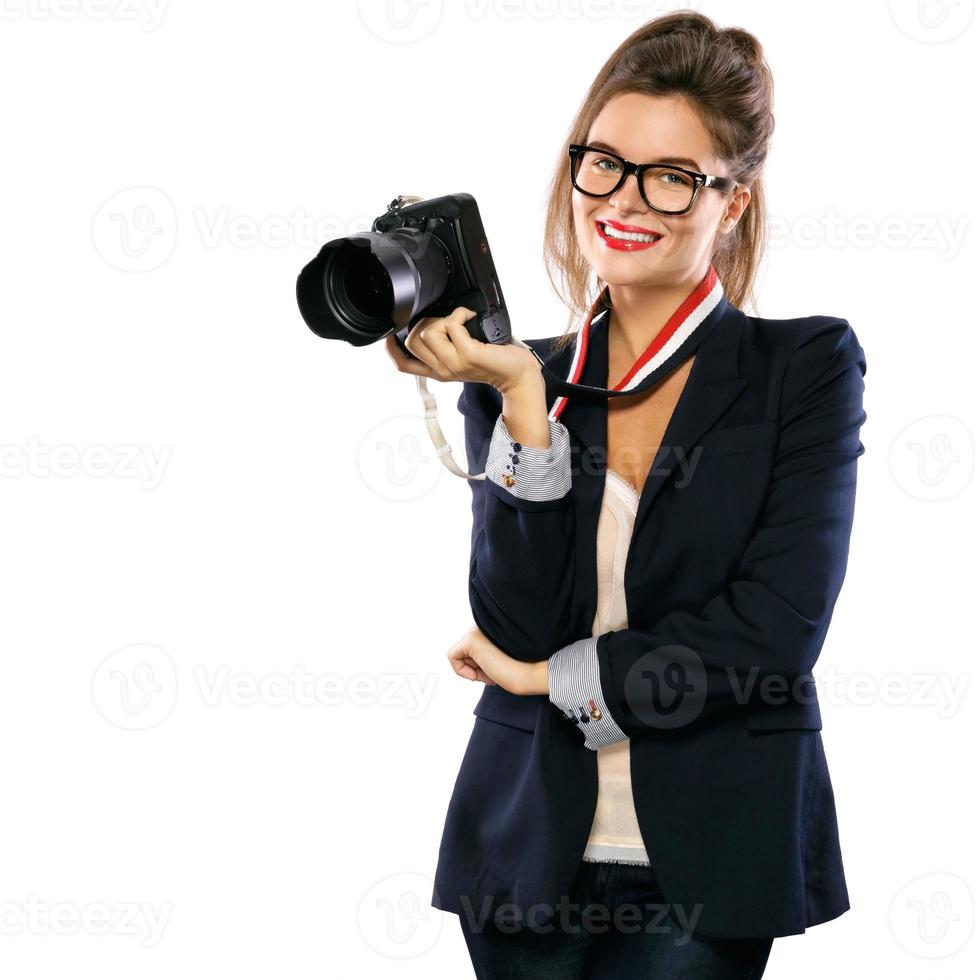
650	127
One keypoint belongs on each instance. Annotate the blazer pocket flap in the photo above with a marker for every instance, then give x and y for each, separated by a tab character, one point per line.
739	439
518	711
788	715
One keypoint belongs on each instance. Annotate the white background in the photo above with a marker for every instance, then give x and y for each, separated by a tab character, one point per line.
201	499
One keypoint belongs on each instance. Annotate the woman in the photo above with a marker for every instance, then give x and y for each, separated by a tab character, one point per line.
645	792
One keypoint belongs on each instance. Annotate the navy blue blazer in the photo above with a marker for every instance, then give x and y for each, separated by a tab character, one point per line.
731	579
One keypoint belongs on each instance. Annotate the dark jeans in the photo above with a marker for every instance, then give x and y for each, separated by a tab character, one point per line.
616	925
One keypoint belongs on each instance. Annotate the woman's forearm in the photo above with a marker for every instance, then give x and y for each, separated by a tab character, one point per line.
523	536
525	412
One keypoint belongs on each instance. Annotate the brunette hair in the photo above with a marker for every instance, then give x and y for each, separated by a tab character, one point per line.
723	74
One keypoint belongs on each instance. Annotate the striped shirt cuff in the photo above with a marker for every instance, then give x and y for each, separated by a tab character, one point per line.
574	687
529	472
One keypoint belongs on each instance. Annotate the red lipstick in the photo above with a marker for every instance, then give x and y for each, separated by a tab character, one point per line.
624	244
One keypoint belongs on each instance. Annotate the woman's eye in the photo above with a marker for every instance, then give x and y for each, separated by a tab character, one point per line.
671	177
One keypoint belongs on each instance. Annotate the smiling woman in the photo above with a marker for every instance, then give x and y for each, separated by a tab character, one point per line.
634	612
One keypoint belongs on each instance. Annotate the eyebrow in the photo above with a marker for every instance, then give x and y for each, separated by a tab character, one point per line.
680	161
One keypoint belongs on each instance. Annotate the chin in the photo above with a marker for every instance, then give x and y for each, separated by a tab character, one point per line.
629	272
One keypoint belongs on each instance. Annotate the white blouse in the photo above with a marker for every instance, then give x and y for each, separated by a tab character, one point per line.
615	834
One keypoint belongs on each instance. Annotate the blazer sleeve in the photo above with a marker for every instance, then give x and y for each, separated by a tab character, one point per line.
764	630
521	568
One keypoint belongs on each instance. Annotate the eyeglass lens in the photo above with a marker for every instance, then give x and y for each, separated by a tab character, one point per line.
597	173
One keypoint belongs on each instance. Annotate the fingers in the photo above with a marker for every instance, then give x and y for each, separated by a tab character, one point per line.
464	669
482	675
450	341
404	363
464	665
465	347
469	669
461	662
429	340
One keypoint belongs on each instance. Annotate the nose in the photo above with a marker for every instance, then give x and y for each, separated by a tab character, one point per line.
628	198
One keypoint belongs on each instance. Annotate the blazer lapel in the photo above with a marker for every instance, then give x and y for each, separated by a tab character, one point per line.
711	387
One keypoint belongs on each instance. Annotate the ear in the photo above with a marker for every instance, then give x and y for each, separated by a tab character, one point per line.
736	208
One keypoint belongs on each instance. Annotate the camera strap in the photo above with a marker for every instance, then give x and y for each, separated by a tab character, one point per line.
680	336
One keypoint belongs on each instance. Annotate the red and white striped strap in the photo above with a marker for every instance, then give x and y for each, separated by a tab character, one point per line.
659	355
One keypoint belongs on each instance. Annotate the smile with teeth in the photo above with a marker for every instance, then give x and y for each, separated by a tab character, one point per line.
630	236
627	236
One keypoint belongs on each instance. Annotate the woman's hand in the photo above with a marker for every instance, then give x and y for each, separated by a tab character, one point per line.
477	658
445	351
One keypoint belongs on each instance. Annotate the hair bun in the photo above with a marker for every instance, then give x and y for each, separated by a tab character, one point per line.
746	44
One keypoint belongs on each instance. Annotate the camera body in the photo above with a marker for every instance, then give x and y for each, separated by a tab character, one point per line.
420	259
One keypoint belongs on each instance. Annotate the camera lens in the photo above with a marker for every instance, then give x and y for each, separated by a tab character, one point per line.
362	283
358	288
362	287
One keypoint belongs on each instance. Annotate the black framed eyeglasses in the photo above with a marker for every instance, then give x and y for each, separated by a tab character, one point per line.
663	187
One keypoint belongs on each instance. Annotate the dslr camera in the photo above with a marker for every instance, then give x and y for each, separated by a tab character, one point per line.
421	258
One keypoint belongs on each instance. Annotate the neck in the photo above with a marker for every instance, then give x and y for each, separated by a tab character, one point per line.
639	313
